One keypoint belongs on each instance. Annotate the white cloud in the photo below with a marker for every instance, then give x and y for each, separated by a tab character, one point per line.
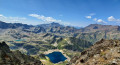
12	19
95	19
89	17
111	18
27	21
43	18
101	21
18	18
48	19
1	15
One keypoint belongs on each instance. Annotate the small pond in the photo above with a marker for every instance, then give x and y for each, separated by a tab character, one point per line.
20	40
56	57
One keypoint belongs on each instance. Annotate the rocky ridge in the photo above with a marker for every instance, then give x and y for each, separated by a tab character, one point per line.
103	52
8	57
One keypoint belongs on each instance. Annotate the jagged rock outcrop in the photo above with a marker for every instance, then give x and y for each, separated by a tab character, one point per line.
103	52
8	57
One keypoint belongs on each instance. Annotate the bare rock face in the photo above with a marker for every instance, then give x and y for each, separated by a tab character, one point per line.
8	57
103	52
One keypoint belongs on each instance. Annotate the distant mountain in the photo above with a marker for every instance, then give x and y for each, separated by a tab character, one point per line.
103	52
95	32
8	57
99	27
4	25
53	24
77	27
57	28
43	28
91	33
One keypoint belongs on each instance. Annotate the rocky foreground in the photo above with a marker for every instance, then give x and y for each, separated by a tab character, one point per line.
104	52
8	57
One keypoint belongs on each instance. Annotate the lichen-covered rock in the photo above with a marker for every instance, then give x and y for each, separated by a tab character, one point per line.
103	52
8	57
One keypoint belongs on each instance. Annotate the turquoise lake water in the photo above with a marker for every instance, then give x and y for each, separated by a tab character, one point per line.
20	40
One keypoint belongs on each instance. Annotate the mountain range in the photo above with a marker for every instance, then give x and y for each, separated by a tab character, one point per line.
91	33
35	40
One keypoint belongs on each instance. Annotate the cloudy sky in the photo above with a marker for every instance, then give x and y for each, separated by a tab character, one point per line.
67	12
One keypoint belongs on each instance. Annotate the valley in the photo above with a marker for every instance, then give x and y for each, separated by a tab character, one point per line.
59	32
37	41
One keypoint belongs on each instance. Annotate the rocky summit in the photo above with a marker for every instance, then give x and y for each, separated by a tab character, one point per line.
8	57
103	52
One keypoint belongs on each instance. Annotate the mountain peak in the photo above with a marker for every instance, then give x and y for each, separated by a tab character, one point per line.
3	44
99	27
55	24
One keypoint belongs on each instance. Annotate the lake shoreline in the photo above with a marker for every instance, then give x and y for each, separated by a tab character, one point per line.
57	50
